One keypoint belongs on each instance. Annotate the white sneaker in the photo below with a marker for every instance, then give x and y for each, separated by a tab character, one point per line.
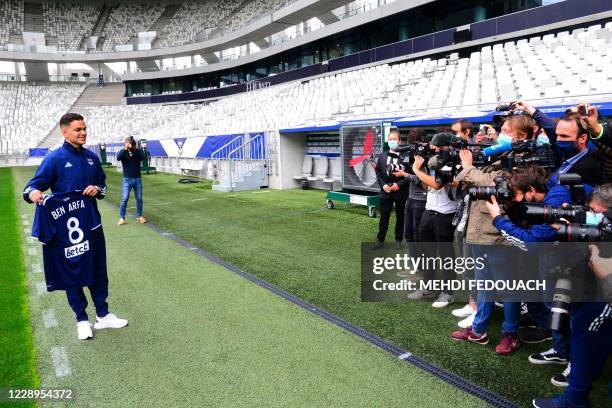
467	322
84	330
110	321
465	311
443	300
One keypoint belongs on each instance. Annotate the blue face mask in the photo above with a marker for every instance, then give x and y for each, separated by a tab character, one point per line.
593	218
566	149
504	138
393	144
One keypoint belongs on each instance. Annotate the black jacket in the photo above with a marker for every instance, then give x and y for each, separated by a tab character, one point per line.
588	168
403	183
131	163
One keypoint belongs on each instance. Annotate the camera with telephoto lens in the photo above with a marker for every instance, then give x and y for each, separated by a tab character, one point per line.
502	191
562	297
535	213
405	157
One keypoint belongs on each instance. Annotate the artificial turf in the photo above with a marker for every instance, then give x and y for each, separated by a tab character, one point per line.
200	335
290	239
17	356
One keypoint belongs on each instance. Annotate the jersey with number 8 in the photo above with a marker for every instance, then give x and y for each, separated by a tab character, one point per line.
63	223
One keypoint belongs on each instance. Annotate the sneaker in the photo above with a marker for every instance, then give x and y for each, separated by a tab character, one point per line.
110	321
547	357
141	220
509	343
465	311
121	221
560	401
526	321
84	330
562	379
467	322
443	300
421	294
377	246
534	335
469	335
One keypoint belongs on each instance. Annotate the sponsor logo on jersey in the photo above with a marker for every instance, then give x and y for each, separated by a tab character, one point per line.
76	250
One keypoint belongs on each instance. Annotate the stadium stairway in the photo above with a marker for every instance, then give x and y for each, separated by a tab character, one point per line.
109	95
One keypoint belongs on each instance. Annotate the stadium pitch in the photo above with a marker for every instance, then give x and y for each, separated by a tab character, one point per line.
200	334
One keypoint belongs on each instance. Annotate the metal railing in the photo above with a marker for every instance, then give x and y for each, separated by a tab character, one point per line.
249	156
219	157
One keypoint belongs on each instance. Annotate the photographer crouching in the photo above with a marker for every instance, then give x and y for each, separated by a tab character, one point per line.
591	322
529	185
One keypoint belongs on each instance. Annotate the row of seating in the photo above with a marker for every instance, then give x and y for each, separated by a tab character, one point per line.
320	168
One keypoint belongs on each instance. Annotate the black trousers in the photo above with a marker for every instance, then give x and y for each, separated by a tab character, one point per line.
437	228
412	219
386	206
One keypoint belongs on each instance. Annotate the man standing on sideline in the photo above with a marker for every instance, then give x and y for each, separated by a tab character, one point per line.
69	169
393	191
130	157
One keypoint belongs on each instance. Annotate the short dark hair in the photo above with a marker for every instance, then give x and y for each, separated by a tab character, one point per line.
68	118
465	124
521	178
575	117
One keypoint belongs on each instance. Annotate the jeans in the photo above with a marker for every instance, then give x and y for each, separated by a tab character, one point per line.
498	264
128	184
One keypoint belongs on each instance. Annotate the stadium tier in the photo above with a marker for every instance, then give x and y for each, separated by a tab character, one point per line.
29	112
119	24
566	68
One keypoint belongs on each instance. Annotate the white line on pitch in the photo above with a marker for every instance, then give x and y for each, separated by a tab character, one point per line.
24	216
160	204
26	231
256	192
199	199
49	318
60	362
41	288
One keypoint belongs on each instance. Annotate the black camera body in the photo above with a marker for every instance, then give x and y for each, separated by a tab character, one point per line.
503	112
502	191
405	155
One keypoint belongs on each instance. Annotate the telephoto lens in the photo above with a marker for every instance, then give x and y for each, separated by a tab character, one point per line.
545	214
579	233
562	298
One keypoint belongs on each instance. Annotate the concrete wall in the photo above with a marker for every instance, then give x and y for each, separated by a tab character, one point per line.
291	154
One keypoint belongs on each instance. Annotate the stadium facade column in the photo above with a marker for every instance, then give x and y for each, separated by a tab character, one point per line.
480	13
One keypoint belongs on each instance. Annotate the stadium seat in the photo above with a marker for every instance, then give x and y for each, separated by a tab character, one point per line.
320	169
307	165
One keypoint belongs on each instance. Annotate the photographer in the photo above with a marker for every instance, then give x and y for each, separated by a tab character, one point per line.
601	137
462	128
131	157
436	223
485	239
393	191
591	329
487	135
569	138
529	185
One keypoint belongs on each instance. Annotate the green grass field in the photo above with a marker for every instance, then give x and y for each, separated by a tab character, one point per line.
17	356
290	239
200	335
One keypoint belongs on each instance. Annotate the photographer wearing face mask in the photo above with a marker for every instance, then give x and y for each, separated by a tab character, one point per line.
569	137
131	158
529	185
393	192
485	239
591	324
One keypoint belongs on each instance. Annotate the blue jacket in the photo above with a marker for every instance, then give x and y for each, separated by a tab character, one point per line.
518	236
66	170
